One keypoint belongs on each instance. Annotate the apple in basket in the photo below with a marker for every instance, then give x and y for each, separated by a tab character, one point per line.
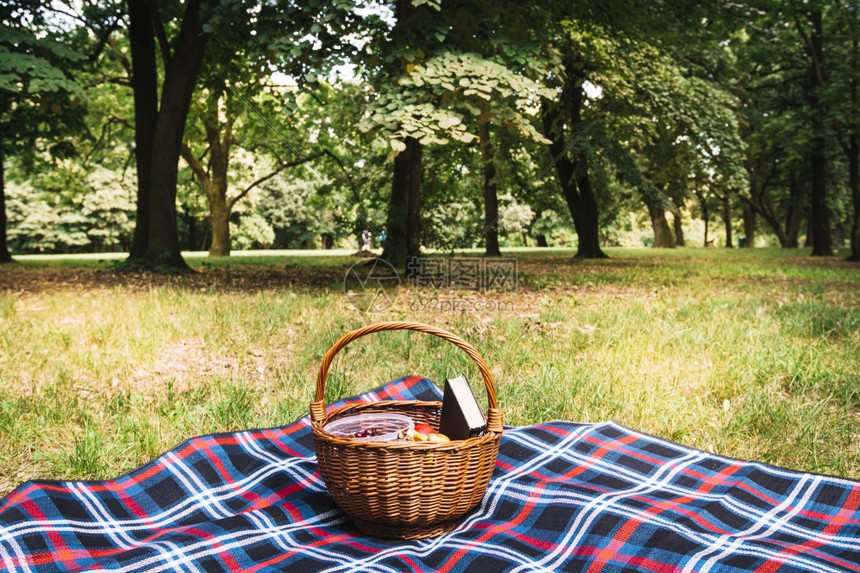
425	433
424	429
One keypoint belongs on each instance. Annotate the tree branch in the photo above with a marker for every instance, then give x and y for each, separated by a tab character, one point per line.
104	39
123	59
120	82
265	178
158	27
755	207
812	51
195	165
104	134
228	134
346	174
127	163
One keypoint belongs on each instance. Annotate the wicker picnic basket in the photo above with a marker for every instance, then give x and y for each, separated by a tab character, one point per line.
402	489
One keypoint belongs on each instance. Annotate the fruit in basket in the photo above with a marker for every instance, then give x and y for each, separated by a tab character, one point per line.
377	426
368	433
424	429
437	437
413	436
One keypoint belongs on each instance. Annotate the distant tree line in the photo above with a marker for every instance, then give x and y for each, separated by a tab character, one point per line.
153	127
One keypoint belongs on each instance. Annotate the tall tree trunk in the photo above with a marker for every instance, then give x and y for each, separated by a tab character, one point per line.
404	209
219	216
749	216
213	180
679	230
540	238
852	150
144	83
706	216
727	219
415	170
573	175
586	221
219	162
838	235
403	224
820	219
662	232
580	202
5	256
854	183
161	249
818	157
794	217
678	225
491	199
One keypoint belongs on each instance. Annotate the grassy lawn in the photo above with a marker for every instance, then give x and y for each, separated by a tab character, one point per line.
747	353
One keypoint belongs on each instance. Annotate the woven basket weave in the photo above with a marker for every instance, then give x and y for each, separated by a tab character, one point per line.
401	489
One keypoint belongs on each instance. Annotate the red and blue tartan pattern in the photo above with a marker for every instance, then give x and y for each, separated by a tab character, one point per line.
564	497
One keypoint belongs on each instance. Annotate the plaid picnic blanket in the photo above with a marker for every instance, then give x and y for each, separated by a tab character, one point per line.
564	497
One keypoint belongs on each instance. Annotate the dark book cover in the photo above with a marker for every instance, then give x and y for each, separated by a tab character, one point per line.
461	416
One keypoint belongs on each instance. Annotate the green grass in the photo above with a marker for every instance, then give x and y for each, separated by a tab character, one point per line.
752	354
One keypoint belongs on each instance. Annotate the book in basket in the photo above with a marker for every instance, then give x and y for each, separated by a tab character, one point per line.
461	417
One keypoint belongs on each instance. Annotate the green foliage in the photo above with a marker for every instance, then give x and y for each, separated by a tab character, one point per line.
38	227
516	217
452	225
252	232
556	228
442	98
296	216
92	214
710	101
29	63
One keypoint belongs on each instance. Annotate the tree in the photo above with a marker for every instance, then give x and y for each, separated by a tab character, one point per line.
799	59
465	92
813	40
845	100
645	61
404	210
439	83
159	121
491	198
219	114
572	172
672	121
37	95
241	107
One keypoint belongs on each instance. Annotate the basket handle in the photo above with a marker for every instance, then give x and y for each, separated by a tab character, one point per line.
494	417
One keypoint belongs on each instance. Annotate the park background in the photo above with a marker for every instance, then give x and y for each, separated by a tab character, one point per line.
183	187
